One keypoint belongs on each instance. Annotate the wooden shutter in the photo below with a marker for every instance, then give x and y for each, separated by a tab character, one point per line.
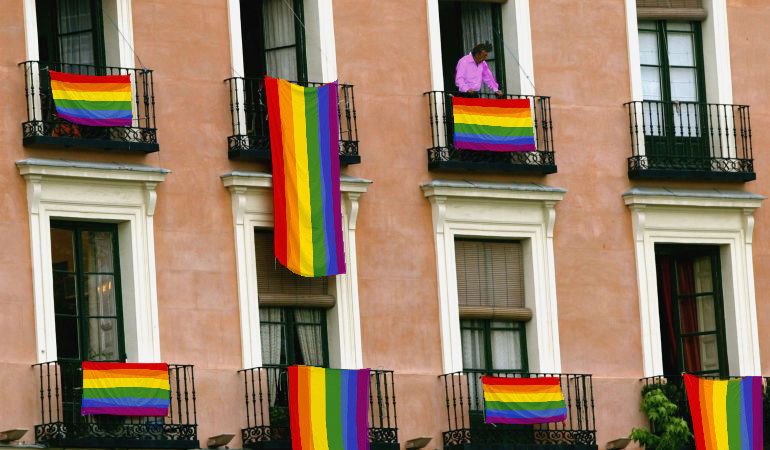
670	10
278	286
490	279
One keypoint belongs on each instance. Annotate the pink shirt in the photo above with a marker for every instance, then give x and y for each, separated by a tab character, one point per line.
469	75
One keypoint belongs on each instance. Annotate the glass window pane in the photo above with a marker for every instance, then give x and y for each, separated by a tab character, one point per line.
700	353
506	349
100	295
648	48
64	293
679	26
697	314
686	119
272	332
681	49
651	83
652	115
683	85
282	63
278	24
703	275
473	346
67	337
63	249
97	251
309	336
646	25
74	15
103	340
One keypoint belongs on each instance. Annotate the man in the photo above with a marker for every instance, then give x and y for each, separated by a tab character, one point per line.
472	70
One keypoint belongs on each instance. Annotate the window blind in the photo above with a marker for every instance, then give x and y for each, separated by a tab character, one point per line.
278	286
490	279
670	9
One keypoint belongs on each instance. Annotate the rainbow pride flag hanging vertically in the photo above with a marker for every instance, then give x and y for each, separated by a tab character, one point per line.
98	101
304	141
523	400
125	389
497	125
328	408
726	414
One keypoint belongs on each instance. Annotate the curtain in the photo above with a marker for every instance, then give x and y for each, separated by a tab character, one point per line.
100	288
506	347
666	313
76	40
688	314
271	334
309	333
478	28
280	40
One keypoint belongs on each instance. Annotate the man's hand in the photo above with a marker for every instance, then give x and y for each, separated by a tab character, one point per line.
471	91
499	94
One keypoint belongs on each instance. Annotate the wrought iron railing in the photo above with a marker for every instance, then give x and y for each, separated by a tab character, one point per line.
61	424
443	155
251	135
44	128
465	415
690	140
266	392
673	387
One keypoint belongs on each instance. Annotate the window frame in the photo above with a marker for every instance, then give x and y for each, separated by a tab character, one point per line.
54	35
486	329
83	315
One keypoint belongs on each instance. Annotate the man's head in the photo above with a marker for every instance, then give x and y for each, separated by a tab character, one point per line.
481	52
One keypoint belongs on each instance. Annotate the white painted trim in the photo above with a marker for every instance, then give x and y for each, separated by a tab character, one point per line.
30	30
236	38
122	194
698	217
326	40
634	57
252	206
716	53
512	211
434	47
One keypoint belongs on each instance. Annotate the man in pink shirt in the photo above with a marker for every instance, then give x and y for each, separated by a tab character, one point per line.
472	70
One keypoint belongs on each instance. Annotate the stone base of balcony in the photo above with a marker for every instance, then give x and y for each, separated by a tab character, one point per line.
691	169
101	144
450	159
513	446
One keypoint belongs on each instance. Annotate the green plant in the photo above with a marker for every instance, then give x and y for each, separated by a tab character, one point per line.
668	430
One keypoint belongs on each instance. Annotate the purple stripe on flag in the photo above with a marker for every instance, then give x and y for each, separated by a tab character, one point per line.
462	145
526	421
362	419
97	114
334	143
326	179
124	411
95	122
756	402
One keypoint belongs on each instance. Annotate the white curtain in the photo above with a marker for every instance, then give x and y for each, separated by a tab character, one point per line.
280	41
98	265
477	28
271	334
309	333
74	16
506	347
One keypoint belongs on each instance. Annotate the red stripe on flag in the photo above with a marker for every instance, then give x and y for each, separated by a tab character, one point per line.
279	178
543	381
296	435
91	365
493	102
89	79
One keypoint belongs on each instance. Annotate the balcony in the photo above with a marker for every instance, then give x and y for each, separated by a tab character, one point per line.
251	135
690	141
444	156
673	387
467	430
267	409
62	426
44	128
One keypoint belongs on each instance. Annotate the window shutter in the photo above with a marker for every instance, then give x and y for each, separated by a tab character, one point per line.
670	10
278	286
490	280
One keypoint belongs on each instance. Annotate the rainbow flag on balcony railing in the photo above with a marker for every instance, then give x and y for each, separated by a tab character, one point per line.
523	400
125	389
93	100
726	414
497	125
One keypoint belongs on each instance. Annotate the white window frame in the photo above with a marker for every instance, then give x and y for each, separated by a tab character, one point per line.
710	217
524	212
117	193
252	207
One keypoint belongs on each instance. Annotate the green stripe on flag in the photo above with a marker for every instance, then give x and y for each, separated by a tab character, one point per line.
334	410
95	105
314	172
524	406
734	414
493	131
125	392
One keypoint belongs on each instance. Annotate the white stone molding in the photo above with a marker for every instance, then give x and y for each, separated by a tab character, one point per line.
252	206
118	193
711	217
522	212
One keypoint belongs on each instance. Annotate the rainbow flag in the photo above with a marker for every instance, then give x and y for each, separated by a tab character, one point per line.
497	125
304	140
726	414
523	400
97	101
125	389
328	408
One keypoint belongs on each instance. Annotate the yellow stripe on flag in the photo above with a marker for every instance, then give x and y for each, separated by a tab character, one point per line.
318	408
91	96
472	119
720	413
105	383
527	397
303	180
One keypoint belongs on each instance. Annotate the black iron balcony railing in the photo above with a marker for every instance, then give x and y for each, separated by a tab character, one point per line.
44	128
673	388
689	140
251	134
267	409
444	156
465	414
61	424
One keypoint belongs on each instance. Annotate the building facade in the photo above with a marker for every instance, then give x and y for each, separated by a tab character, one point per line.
629	248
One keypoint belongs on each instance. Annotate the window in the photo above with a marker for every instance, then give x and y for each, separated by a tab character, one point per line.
493	345
86	291
71	31
273	39
465	24
691	309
